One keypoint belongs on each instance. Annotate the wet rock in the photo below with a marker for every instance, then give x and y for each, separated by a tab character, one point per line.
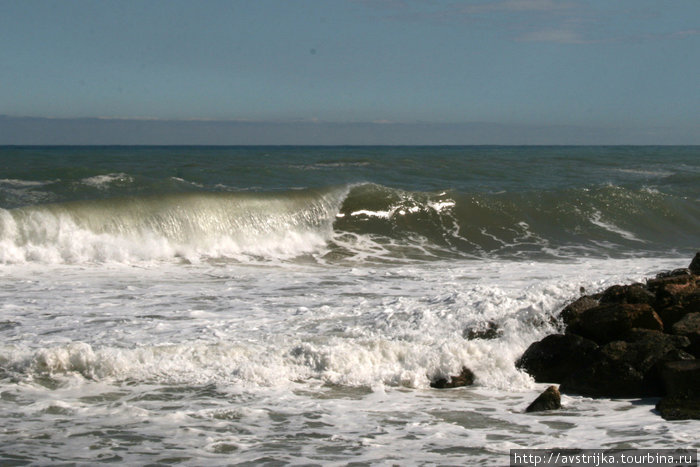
674	273
629	368
606	377
550	399
676	296
606	323
682	384
678	276
635	293
488	331
633	340
574	310
695	264
556	356
689	326
465	378
676	408
682	379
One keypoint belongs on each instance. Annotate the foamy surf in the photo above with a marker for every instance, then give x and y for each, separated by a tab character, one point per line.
291	305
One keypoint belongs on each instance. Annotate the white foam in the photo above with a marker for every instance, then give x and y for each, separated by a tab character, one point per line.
596	219
103	181
22	183
260	359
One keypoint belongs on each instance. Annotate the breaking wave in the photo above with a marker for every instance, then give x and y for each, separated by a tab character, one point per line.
354	222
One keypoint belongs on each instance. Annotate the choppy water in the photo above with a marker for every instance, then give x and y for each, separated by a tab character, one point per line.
232	305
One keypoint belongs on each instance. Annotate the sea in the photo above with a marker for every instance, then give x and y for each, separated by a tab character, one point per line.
290	305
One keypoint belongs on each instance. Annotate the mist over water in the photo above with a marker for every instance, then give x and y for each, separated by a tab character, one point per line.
290	304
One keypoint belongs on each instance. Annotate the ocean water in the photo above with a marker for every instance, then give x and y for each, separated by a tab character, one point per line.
289	305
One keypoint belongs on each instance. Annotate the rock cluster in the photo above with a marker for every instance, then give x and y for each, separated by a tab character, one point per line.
633	340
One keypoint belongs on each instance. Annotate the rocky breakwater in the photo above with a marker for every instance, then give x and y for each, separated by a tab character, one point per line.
637	340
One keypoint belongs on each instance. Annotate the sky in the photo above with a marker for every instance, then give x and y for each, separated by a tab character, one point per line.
350	72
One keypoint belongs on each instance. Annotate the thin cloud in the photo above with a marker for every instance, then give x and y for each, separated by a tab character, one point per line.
686	33
560	36
519	6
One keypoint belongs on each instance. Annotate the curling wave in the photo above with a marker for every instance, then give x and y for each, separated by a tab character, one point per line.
355	222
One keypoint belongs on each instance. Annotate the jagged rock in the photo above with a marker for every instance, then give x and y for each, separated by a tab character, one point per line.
627	369
465	378
550	399
674	273
604	378
689	326
573	310
676	296
553	358
695	264
488	331
682	384
606	323
634	293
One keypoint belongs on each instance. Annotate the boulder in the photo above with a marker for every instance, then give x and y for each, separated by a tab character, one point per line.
628	368
668	278
609	322
634	293
465	378
695	264
689	326
605	377
550	399
676	296
573	310
676	408
554	358
682	379
682	383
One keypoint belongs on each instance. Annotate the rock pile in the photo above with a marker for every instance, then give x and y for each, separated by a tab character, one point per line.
633	340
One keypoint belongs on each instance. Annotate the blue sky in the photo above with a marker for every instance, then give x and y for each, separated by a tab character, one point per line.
628	65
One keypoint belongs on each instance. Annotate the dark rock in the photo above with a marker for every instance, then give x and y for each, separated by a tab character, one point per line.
670	314
676	296
682	379
689	326
573	310
638	335
674	273
628	368
677	408
488	331
465	378
695	264
550	399
606	323
635	293
553	358
606	377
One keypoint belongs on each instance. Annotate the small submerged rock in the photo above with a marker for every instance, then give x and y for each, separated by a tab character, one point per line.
487	331
550	399
465	378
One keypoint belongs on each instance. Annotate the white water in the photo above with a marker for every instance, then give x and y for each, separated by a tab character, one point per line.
235	362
